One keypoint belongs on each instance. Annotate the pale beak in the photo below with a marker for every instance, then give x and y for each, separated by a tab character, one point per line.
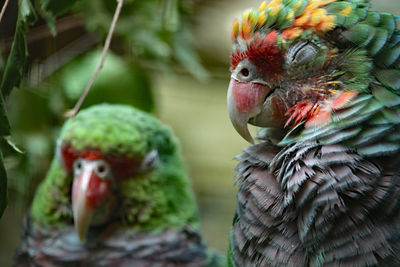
245	101
88	193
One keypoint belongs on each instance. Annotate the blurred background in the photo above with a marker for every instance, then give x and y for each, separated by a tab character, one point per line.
168	57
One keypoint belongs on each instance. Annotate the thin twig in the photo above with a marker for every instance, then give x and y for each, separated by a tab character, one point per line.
3	10
72	112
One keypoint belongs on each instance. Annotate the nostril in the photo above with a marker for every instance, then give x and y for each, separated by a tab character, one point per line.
245	72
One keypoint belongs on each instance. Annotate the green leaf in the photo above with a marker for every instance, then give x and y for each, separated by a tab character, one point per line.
16	61
3	186
14	70
4	124
189	59
134	87
50	9
26	13
12	144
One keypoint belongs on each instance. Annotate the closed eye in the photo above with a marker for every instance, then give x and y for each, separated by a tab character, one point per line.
301	53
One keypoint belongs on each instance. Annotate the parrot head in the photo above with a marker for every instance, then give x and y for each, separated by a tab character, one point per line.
295	63
96	176
115	165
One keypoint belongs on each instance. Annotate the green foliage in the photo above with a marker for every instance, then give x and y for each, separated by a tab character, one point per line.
148	31
3	186
50	9
11	77
16	61
15	67
118	82
151	30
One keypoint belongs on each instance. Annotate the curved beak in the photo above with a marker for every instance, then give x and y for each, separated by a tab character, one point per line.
89	192
245	101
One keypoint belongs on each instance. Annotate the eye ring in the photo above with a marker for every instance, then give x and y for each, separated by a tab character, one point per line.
102	169
78	165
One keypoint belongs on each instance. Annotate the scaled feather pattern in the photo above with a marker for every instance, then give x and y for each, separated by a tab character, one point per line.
321	80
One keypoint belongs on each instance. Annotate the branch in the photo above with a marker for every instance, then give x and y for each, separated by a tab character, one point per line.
72	112
3	10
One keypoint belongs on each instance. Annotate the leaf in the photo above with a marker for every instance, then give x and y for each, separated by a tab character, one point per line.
16	61
50	9
134	87
12	144
3	186
4	124
26	13
189	59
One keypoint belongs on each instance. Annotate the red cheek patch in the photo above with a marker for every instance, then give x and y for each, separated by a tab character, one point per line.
247	95
98	191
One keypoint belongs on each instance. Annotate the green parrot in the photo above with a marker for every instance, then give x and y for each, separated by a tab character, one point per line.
321	187
116	194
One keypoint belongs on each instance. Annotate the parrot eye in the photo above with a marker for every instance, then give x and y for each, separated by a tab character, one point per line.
301	53
78	165
245	71
102	169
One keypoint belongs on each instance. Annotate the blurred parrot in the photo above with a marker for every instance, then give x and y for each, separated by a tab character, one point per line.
321	80
116	195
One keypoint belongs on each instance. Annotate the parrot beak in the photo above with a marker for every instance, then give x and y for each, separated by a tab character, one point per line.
89	192
245	101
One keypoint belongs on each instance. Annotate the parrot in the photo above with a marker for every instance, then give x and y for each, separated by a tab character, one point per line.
116	194
319	185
